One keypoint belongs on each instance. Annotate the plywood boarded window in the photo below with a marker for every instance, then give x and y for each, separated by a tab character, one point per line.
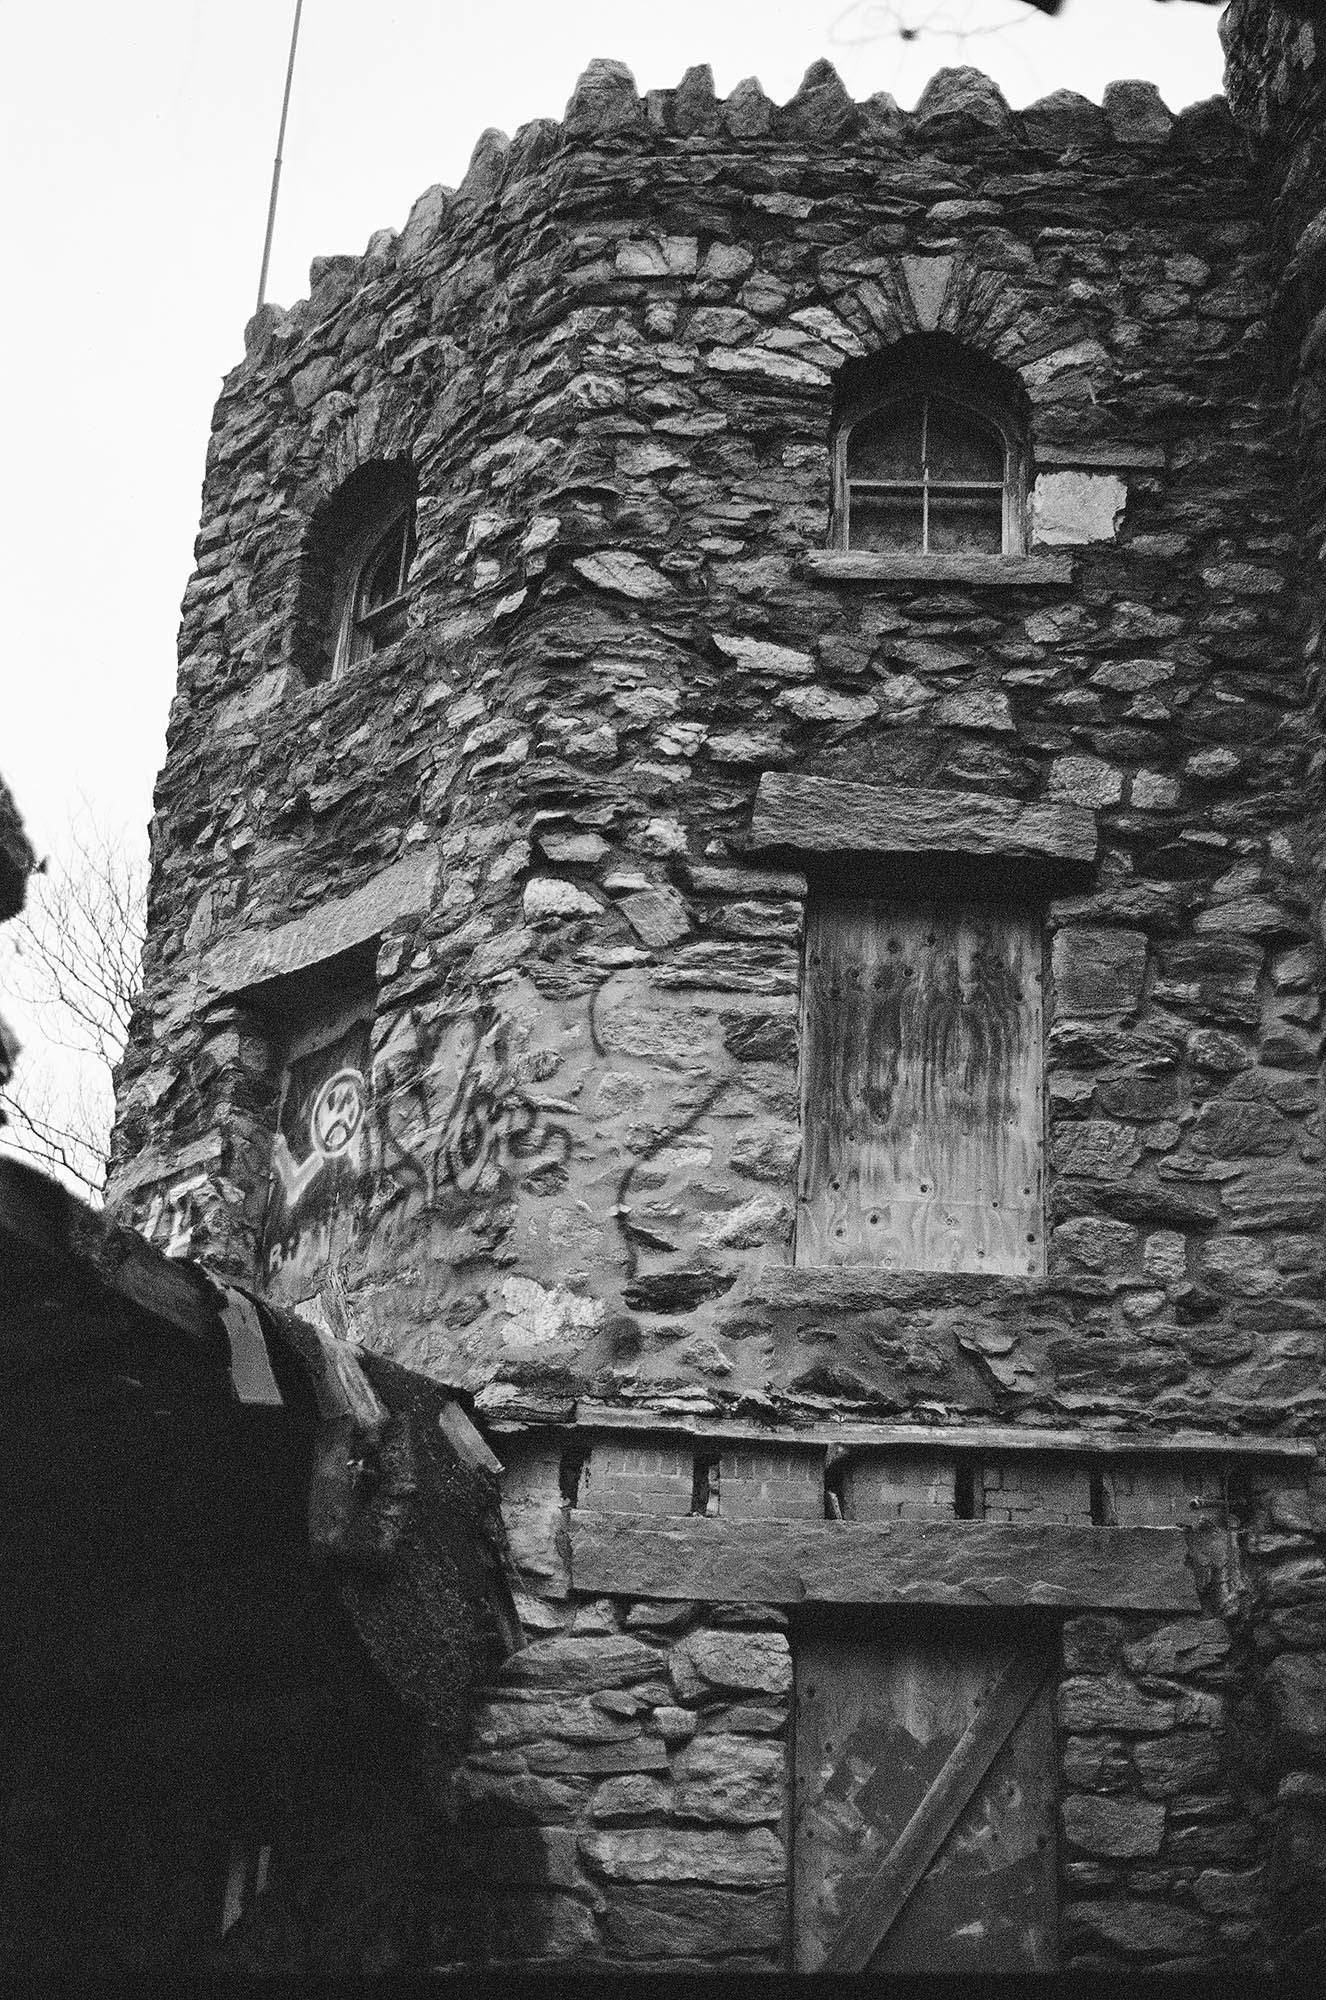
320	1021
922	1088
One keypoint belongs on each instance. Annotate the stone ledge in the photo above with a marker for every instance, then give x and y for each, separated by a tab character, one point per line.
1107	457
972	571
895	1562
831	816
251	957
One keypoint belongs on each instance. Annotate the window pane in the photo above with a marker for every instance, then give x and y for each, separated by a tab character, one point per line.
960	445
380	581
887	445
966	521
887	526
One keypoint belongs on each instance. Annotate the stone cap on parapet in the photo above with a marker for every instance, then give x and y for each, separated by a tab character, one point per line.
960	108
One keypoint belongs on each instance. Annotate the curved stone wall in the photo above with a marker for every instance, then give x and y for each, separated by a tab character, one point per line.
476	970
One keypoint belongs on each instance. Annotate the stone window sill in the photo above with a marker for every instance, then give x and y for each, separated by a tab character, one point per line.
1033	572
866	1287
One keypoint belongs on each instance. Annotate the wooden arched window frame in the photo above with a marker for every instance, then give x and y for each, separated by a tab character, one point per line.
373	595
927	471
352	589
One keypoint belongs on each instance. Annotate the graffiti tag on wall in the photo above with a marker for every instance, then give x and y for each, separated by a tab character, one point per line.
455	1110
320	1156
173	1216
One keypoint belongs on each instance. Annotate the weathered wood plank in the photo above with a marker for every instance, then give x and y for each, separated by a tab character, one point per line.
251	1374
466	1441
591	1415
833	816
982	572
879	1901
888	1562
922	1121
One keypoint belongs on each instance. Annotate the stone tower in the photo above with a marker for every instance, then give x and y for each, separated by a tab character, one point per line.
736	880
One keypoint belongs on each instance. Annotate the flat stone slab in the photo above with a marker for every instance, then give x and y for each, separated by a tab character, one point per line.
834	816
979	572
252	957
895	1562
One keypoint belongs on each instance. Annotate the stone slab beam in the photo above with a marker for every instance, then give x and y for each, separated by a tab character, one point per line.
254	956
833	816
893	1562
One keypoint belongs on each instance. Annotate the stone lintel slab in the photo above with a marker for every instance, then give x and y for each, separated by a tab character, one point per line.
1034	572
1107	457
834	816
252	957
892	1562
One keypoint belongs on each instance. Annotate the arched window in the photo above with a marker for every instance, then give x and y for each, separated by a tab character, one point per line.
374	587
927	462
354	587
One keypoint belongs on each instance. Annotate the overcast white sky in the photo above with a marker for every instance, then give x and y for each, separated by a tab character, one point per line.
136	139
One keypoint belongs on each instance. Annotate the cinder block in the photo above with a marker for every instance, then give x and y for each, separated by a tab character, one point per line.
637	1479
1035	1489
899	1486
771	1484
1157	1493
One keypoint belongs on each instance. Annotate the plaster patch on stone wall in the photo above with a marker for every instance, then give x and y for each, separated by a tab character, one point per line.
539	1315
1071	507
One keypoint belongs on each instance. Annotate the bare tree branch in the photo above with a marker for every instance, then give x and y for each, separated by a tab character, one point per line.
72	958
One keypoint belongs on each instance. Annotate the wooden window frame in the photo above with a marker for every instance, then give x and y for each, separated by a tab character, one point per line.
982	409
360	633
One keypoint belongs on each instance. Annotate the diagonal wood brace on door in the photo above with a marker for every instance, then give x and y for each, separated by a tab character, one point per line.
882	1899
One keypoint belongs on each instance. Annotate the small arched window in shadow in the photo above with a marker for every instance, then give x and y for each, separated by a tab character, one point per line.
375	588
354	589
928	461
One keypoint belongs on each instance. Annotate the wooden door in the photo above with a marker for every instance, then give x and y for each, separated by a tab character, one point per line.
922	1110
924	1801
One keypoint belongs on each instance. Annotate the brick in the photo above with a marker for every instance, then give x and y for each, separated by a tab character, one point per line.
901	1486
1162	1494
1026	1490
637	1479
771	1484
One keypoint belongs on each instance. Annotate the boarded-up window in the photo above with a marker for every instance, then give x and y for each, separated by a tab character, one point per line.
321	1147
922	1111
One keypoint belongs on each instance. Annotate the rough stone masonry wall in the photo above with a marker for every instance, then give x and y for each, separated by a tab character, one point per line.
625	1794
611	357
1276	78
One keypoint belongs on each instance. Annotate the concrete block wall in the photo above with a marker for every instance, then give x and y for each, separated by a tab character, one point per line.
775	1484
638	1478
1026	1490
899	1487
1138	1495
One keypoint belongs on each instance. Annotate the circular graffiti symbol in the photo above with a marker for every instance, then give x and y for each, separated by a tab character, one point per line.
337	1114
